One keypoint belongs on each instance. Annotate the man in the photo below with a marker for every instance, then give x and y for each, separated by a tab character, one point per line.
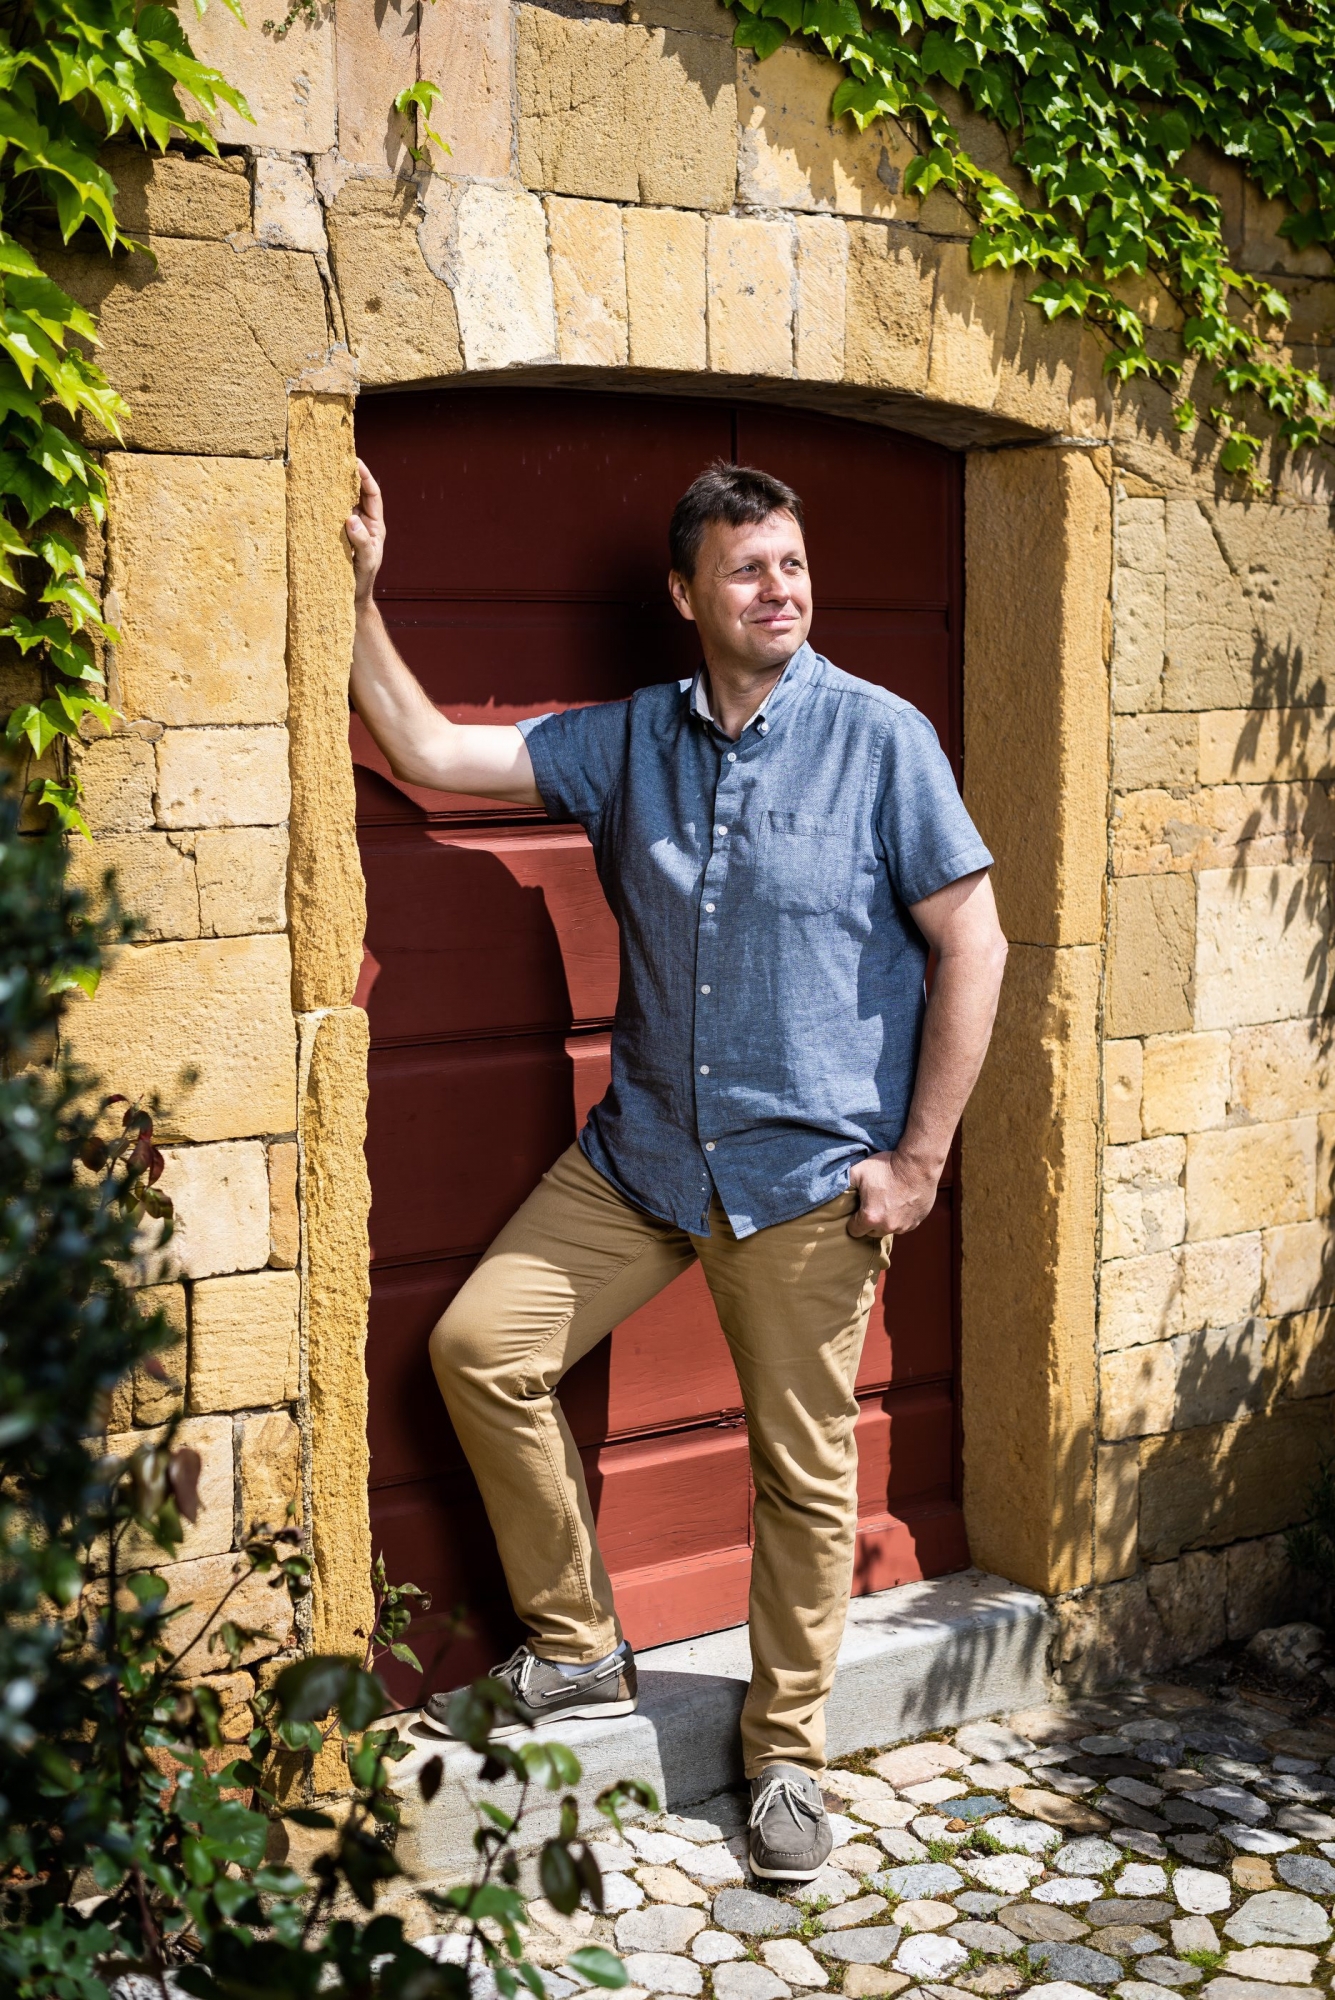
780	844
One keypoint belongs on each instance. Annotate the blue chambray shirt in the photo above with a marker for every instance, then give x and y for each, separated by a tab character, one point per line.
771	998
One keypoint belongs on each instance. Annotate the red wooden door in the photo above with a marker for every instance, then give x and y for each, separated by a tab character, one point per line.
525	571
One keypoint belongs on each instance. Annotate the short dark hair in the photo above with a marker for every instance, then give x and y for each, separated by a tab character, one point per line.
741	495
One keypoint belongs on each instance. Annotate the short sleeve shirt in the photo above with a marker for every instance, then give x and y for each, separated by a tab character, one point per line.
771	997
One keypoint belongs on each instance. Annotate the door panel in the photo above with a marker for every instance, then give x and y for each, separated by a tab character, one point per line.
525	572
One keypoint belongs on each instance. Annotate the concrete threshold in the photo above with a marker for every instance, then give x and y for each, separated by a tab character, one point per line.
924	1656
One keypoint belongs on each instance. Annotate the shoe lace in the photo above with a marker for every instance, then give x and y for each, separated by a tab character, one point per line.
782	1791
516	1670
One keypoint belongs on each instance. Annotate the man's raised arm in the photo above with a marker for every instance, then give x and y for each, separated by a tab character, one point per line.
422	746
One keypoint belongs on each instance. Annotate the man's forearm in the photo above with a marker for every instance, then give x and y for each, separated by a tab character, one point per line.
393	704
961	1010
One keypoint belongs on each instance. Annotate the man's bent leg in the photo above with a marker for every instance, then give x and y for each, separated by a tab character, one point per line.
794	1302
574	1260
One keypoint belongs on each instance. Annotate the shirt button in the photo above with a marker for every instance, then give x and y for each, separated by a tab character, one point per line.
721	829
704	989
732	756
704	1069
709	909
762	727
709	1145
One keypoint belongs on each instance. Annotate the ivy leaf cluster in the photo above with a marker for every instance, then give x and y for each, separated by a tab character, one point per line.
1101	103
73	74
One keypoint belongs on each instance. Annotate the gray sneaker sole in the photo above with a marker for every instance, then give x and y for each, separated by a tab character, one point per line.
589	1711
785	1874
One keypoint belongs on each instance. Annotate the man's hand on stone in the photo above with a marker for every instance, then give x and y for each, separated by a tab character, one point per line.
893	1194
365	530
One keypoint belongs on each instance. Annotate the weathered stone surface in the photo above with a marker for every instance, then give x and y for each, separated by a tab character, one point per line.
490	245
196	565
222	777
166	194
401	321
916	1762
222	1208
791	156
1123	1078
664	1972
625	113
921	1913
1137	1393
1261	1591
1228	1482
1033	1429
741	1979
376	59
669	1885
1144	1207
821	251
930	1957
1241	582
714	1947
468	48
1155	1972
154	1401
1193	1933
861	1947
1222	827
588	281
1076	1962
1299	1265
1250	1175
1140	1299
155	879
241	879
1186	1083
245	1346
1266	745
793	1962
1221	1280
1117	1505
1008	1874
1262	944
1041	1923
288	82
1232	1988
1153	750
888	308
970	316
753	1915
335	1207
749	274
1138	622
1287	1968
288	215
1151	955
1222	1374
256	1606
220	1007
1279	1916
284	1216
327	896
270	1453
665	288
919	1880
210	1533
118	774
1283	1068
202	341
1305	1871
1188	1597
1022	1836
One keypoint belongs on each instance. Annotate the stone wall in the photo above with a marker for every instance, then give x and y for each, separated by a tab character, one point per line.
1147	1371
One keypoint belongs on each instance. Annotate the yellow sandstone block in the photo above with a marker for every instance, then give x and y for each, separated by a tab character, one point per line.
154	1400
1140	1299
1220	1483
270	1448
376	58
210	1534
219	1007
288	83
890	286
1116	1510
1221	1280
1163	832
1283	1068
198	569
750	276
1153	750
1138	609
1243	603
165	194
665	288
402	325
1186	1083
625	113
490	244
792	155
822	294
468	48
1150	955
588	281
1266	745
154	877
1299	1262
118	774
1123	1081
284	1215
1262	944
245	1341
1143	1204
223	777
241	872
970	317
1250	1176
1304	1354
1137	1391
257	1603
222	1211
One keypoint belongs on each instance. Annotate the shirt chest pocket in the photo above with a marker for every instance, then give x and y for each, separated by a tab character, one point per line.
803	864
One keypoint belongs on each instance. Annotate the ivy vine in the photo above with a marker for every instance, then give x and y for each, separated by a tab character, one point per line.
73	74
1100	102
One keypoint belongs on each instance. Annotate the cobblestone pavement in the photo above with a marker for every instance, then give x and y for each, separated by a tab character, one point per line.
1142	1844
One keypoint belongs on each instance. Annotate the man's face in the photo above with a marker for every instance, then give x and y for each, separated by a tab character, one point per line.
751	592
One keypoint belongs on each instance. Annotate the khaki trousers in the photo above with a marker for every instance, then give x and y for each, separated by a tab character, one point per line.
793	1302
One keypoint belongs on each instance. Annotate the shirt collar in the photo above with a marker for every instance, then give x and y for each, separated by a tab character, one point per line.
794	676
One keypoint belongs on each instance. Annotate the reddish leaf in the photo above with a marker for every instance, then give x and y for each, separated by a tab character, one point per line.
118	1098
136	1120
183	1479
155	1165
152	1366
93	1153
140	1156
